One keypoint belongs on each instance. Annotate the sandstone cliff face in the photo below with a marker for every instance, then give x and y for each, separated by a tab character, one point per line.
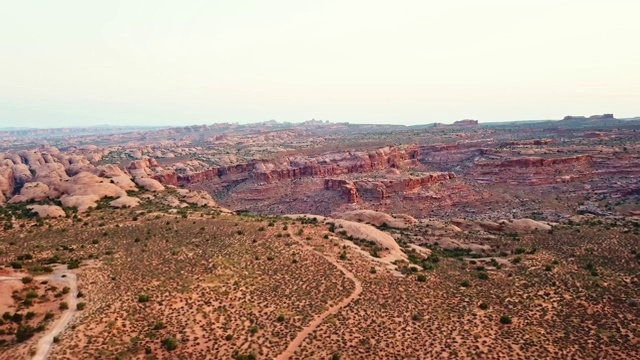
354	190
537	142
346	188
528	162
298	166
7	181
167	178
21	174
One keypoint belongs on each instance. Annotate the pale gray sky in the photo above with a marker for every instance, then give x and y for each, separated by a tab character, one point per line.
87	62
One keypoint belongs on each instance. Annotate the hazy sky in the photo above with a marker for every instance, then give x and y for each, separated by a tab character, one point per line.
87	62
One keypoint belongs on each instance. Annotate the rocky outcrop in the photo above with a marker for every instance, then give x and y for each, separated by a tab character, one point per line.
571	118
458	124
466	122
536	142
199	198
21	174
529	162
167	178
89	184
124	182
526	225
125	201
346	188
80	202
288	168
7	181
36	191
378	218
142	168
378	189
149	184
47	210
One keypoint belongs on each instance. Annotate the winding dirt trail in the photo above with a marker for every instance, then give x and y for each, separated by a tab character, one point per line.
45	342
295	344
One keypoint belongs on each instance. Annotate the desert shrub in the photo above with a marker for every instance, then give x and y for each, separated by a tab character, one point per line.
81	305
229	337
343	256
280	318
249	356
169	343
483	306
142	298
24	333
63	305
421	278
483	275
465	283
158	325
504	319
16	318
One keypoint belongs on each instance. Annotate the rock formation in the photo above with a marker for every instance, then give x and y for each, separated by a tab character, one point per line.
378	189
47	210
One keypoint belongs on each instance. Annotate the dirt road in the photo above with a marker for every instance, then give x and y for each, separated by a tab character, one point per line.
45	343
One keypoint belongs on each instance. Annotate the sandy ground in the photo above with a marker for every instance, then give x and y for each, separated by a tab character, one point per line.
293	345
45	343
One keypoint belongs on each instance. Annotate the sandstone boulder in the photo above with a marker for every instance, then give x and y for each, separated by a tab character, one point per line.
374	217
80	202
124	182
125	201
47	210
368	232
149	184
200	198
89	184
526	225
36	191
